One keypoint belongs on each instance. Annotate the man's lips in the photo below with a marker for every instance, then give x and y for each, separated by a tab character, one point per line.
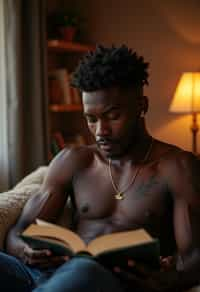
105	145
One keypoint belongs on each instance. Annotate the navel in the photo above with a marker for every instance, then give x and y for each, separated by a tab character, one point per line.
149	214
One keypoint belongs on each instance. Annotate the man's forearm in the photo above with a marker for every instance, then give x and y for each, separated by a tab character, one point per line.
14	245
183	274
188	268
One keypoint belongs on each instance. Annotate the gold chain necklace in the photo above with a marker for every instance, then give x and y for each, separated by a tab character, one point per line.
120	194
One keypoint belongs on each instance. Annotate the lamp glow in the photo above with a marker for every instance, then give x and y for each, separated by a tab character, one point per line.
186	100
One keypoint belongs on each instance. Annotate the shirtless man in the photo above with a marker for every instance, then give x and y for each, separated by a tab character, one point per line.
127	180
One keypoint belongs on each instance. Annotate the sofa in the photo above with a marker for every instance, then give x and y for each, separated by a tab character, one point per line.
12	202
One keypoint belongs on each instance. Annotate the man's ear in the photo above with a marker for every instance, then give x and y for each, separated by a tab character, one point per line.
145	104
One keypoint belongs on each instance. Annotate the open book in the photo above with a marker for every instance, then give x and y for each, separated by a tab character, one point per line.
108	249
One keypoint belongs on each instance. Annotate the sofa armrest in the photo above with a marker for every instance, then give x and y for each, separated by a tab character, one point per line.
34	178
12	201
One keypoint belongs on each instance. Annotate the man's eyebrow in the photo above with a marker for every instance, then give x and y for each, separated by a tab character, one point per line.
112	108
106	111
87	114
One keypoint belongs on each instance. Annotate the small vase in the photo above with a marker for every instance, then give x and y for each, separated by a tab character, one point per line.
68	33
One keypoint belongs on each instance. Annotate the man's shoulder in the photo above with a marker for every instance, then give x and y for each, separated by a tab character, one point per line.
68	163
174	158
75	158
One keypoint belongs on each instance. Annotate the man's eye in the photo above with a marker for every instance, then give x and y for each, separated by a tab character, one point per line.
91	119
114	116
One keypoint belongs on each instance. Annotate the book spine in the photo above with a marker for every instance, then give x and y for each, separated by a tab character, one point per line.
62	76
76	96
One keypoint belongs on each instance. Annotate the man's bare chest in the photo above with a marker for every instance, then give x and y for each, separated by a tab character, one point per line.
143	203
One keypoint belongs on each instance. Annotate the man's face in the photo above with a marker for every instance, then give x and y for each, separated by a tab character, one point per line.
112	116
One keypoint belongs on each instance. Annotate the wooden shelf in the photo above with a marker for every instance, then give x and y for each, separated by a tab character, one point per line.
63	46
65	108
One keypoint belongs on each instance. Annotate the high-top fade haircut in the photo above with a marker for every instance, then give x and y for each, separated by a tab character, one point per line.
107	67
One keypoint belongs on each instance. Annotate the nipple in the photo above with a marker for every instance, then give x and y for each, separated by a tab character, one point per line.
85	208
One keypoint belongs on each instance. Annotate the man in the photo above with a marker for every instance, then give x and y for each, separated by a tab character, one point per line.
127	180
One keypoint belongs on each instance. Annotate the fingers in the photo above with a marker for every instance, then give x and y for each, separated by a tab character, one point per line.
116	269
134	267
42	258
47	262
131	263
52	261
166	262
34	253
132	279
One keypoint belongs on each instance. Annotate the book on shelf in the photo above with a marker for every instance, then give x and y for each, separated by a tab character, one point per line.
109	249
76	97
62	78
55	91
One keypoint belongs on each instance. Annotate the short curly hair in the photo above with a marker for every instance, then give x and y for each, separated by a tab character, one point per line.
106	67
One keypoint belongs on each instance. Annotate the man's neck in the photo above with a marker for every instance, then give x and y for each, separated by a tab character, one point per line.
135	152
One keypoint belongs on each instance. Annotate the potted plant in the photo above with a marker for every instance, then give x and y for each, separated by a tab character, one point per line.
68	25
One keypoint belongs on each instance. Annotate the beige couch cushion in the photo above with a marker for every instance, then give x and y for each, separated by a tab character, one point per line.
12	202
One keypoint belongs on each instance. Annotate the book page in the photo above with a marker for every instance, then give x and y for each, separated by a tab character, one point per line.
52	231
118	240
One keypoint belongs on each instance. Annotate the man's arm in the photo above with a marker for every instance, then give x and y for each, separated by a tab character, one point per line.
178	273
182	172
184	185
49	203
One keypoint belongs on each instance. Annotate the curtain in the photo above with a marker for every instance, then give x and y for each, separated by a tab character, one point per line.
3	113
26	93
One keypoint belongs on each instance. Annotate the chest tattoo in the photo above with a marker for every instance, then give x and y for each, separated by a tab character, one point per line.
147	187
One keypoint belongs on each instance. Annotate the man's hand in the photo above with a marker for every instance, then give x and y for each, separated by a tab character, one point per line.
143	277
43	258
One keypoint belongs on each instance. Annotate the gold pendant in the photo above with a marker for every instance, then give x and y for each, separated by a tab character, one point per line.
119	196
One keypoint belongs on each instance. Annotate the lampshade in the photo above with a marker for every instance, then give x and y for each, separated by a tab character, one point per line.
187	95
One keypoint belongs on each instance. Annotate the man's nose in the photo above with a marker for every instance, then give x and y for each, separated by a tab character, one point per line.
102	129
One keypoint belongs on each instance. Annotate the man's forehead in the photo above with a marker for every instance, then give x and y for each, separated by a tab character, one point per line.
100	95
112	97
110	94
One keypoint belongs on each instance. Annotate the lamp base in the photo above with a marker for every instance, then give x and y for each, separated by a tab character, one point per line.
194	129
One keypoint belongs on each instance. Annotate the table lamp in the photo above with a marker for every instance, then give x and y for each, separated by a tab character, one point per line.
186	100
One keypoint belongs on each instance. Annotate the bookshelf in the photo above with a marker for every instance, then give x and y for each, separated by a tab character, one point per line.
66	120
59	46
65	108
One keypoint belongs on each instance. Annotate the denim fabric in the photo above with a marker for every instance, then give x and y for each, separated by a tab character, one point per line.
79	274
15	276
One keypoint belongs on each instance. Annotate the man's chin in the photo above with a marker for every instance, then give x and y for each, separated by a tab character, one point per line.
111	151
111	154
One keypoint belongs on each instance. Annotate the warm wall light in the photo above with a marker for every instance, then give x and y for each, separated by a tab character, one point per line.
186	100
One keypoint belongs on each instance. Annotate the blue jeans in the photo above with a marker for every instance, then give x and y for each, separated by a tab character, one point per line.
78	275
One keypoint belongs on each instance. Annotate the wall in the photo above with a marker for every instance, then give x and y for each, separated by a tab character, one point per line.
167	34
